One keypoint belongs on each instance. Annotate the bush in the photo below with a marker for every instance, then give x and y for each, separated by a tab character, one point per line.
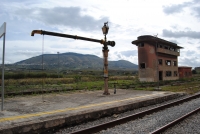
22	75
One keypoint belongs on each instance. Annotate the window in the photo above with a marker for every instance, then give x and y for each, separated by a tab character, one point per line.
174	63
168	73
159	45
141	45
142	65
172	48
175	73
168	62
166	47
160	61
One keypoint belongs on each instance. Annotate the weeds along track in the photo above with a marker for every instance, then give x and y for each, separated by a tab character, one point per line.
111	124
29	89
29	86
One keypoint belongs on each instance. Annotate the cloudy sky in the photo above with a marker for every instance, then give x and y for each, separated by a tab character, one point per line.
173	20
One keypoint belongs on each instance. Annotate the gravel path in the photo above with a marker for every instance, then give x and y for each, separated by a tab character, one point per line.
106	119
152	122
190	125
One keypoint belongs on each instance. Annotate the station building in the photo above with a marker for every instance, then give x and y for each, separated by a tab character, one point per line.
157	59
185	72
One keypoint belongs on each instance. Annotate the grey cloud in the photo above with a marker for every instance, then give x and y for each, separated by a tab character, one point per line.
198	47
15	56
189	53
174	41
129	53
119	56
175	8
28	53
174	27
195	2
64	16
179	34
192	61
187	28
172	9
197	11
190	42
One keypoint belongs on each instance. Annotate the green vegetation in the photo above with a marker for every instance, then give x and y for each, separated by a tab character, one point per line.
81	72
44	82
23	75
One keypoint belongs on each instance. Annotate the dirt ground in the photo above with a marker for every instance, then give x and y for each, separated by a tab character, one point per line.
32	104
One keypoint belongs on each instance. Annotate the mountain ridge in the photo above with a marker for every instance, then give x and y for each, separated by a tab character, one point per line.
72	60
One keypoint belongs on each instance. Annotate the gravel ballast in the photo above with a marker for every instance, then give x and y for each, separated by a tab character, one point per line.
106	119
191	125
152	122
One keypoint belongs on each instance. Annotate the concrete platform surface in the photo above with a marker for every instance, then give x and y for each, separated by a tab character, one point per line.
34	114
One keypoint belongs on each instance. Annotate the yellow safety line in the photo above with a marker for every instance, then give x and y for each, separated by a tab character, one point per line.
66	109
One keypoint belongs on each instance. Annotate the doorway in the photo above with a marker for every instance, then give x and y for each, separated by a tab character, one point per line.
160	75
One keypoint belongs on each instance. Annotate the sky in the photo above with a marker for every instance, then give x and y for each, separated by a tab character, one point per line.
173	20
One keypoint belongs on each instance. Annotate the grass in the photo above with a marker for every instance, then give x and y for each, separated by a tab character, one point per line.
188	87
91	83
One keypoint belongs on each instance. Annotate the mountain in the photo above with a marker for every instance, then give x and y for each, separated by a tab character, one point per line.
73	61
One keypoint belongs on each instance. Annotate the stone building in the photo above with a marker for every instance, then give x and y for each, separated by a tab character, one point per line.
157	59
185	72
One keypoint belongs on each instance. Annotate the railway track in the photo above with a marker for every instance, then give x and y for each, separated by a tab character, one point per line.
110	124
176	121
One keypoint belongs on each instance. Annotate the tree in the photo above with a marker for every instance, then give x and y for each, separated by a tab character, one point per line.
194	71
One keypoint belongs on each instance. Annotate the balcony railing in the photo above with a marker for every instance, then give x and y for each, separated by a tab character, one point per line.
167	51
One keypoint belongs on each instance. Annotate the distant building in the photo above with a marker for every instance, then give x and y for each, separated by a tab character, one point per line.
197	69
157	59
185	72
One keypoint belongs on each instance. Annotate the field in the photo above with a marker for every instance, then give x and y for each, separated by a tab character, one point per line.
43	82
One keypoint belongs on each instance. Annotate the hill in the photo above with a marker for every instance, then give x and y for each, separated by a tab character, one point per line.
74	61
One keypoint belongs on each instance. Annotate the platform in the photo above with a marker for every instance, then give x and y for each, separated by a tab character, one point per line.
34	114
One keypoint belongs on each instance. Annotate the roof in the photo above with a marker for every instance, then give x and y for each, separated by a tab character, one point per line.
184	67
153	39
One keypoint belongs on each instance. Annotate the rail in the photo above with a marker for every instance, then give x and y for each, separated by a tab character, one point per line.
171	124
97	128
